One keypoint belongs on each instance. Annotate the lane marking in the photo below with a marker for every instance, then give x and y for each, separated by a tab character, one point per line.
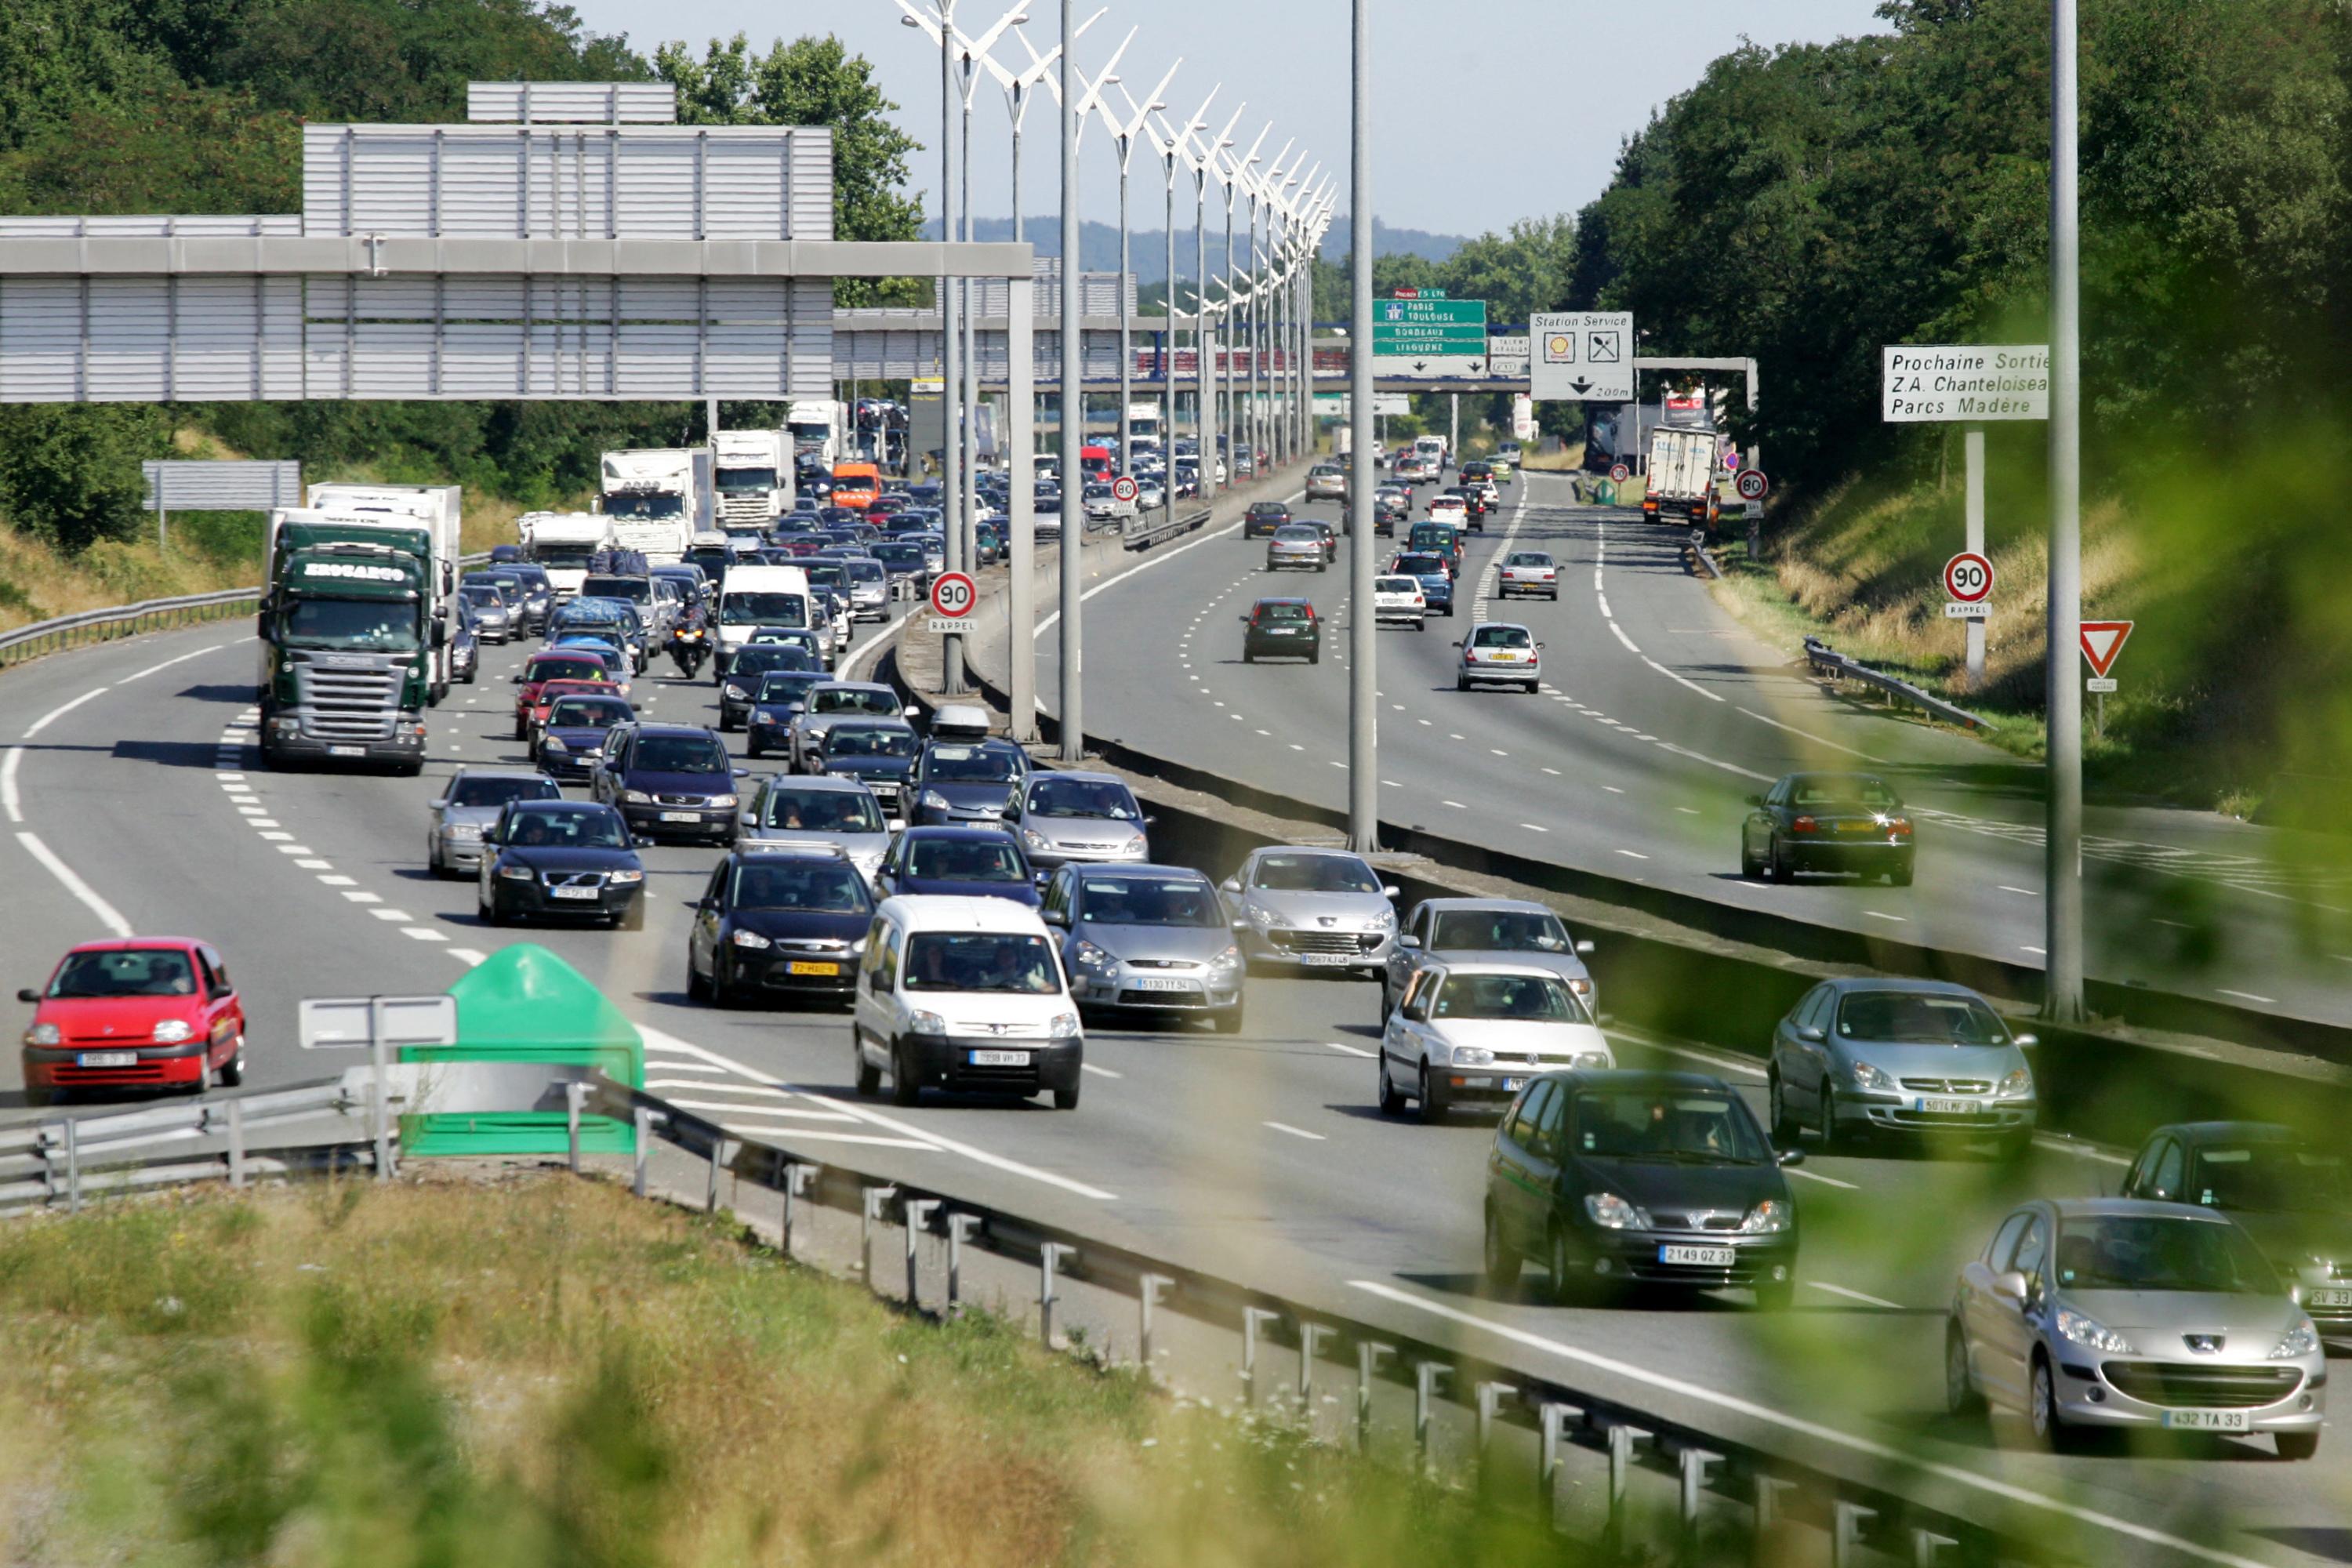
2081	1151
1862	1296
2248	996
1808	734
812	1135
1817	1176
1098	1072
8	798
108	915
1884	1452
422	933
168	663
1295	1131
46	720
1352	1050
2022	892
1632	855
1883	915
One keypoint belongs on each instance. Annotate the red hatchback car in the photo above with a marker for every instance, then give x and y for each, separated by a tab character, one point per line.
156	1012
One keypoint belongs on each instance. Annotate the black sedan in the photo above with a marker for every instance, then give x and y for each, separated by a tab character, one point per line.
560	859
778	923
880	751
776	701
573	736
1610	1179
740	684
669	781
1827	822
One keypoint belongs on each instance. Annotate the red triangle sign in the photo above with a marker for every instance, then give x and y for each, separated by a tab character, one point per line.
2101	640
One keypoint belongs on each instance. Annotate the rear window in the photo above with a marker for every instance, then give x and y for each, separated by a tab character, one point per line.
1285	613
991	859
587	714
1396	585
1501	637
853	699
949	763
820	887
804	810
868	741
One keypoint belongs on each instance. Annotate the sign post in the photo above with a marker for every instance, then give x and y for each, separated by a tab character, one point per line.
1581	356
379	1023
1973	441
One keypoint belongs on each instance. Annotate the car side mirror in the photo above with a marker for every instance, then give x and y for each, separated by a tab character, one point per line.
490	835
2010	1285
26	993
1457	645
1413	1012
1057	917
516	679
2024	1040
440	801
1231	885
1411	944
1388	891
1810	1032
742	772
1585	946
1789	1157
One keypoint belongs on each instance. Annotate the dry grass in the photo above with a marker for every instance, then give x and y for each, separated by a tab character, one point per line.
549	1371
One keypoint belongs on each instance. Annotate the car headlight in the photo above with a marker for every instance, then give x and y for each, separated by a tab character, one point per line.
2018	1085
555	744
468	830
764	716
750	939
1866	1076
933	800
517	873
1470	1056
1259	916
1594	1059
926	1023
1580	985
636	797
1034	839
43	1035
2092	1333
1064	1026
623	878
1767	1218
1227	961
1611	1212
1088	956
2301	1340
171	1031
719	803
733	691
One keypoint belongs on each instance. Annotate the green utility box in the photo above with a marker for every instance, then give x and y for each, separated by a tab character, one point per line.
523	1003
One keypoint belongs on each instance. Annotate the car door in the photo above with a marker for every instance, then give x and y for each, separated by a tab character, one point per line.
223	1019
2167	1174
1804	1070
1405	1041
1403	958
601	771
1788	1056
702	937
1980	1306
1513	1184
2005	1353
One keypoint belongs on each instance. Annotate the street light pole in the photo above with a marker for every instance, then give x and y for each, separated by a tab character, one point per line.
2062	999
952	645
1073	355
1124	134
1363	705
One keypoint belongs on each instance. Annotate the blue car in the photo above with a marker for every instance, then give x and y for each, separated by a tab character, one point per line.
1428	569
968	862
573	735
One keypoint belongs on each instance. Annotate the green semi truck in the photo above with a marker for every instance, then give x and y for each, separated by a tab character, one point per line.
348	635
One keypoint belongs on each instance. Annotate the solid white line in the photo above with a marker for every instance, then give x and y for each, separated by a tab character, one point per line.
2247	996
168	663
108	915
44	721
1623	638
791	1111
1884	1452
1098	1072
1632	855
1679	680
809	1134
1726	1064
1817	1176
1293	1131
2025	892
1863	1297
1883	915
8	798
1808	734
2082	1151
1352	1050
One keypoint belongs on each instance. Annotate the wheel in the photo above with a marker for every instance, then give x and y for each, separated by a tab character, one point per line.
232	1073
2297	1445
1248	658
2014	1146
1532	686
1315	658
1750	867
1461	682
1784	1126
494	911
1502	1262
1430	1106
904	1088
698	989
754	749
2050	1428
1960	1396
634	917
40	1098
724	721
522	731
433	861
205	1077
1900	876
1391	1102
1559	1264
1066	1098
1775	1295
1227	1020
1775	868
869	1077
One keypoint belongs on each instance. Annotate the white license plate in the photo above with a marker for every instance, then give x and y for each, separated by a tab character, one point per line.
2331	1298
1947	1107
1697	1257
573	892
347	751
1160	984
1332	960
999	1059
107	1059
681	816
2208	1420
1513	1085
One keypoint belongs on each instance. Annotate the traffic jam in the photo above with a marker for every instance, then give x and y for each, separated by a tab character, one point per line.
969	916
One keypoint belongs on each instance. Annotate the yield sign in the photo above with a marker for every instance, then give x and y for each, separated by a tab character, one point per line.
2101	640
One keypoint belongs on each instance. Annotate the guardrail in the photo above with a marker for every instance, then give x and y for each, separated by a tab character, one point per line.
30	642
1758	1490
1826	660
1144	537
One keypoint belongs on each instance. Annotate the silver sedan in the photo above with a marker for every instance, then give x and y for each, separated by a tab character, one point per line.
1312	909
1296	545
1528	572
452	845
1147	939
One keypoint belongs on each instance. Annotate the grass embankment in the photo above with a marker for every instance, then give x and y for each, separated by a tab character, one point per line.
546	1371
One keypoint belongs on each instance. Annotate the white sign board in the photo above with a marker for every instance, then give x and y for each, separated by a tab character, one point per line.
1432	367
1507	358
1929	383
327	1022
1394	403
1581	356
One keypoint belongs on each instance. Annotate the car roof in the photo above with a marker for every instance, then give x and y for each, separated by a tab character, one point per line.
1086	873
960	834
792	852
1326	849
135	944
566	805
953	911
2095	1208
1637	1080
1081	775
1511	906
1854	985
832	783
480	771
675	730
1823	775
858	686
2199	1133
1495	967
1287	599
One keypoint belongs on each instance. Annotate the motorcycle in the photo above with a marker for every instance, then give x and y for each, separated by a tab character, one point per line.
690	646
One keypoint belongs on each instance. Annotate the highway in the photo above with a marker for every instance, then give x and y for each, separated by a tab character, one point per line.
1259	1156
1659	716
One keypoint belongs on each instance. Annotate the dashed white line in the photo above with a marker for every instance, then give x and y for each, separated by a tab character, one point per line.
2020	892
1632	855
2248	996
1352	1050
1100	1073
1883	915
1863	1297
1293	1131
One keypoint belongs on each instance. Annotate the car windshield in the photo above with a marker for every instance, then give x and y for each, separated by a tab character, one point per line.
137	972
2270	1178
383	626
587	714
1396	585
1050	796
855	699
823	886
565	670
1315	874
1502	636
1848	793
1283	613
906	557
971	764
1151	901
821	810
865	571
764	609
981	961
744	482
989	859
594	828
1908	1017
499	790
2160	1252
1668	1124
486	595
1528	998
1499	930
787	685
868	741
679	754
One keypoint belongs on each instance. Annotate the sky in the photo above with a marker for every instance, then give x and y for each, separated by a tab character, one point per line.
1516	114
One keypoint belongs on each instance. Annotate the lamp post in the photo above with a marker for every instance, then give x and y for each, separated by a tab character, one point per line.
1204	169
1235	184
1176	147
1124	135
1363	704
2062	999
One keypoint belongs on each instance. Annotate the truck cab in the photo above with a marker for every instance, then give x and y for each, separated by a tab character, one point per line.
347	639
751	477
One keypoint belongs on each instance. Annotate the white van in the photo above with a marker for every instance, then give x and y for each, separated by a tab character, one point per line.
964	993
757	594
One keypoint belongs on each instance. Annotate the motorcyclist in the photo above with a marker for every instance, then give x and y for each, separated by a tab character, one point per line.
689	639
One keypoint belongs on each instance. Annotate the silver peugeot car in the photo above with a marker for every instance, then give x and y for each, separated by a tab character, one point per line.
1312	909
2124	1313
1060	817
1924	1059
791	810
453	843
1296	545
1146	939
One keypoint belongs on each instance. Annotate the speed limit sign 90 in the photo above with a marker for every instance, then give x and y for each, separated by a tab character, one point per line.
952	595
1968	578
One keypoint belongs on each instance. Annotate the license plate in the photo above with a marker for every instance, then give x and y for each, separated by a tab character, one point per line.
573	892
1506	659
107	1059
681	816
804	967
1325	958
1697	1257
999	1059
2331	1298
1513	1085
1857	827
1286	631
2208	1420
1162	985
347	751
1947	1107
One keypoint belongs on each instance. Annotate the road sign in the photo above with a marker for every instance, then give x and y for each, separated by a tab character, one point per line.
1123	489
953	594
1731	459
1433	367
2101	640
1750	483
1927	384
1425	328
2099	684
1582	356
325	1023
1621	473
1968	578
1507	357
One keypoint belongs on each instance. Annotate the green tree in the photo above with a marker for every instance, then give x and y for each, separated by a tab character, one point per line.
69	474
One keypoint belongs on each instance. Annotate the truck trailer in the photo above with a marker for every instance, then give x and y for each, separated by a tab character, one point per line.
1682	477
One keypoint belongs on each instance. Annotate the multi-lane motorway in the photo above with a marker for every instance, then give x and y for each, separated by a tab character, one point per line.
1659	716
135	801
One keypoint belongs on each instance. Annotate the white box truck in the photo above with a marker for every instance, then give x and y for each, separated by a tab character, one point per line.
1682	477
819	428
441	508
561	542
657	498
752	471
